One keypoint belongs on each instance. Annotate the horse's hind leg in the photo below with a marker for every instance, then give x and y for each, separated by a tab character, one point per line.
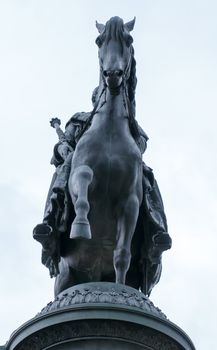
78	188
64	279
126	228
68	277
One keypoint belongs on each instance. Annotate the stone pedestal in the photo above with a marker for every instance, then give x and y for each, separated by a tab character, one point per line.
97	316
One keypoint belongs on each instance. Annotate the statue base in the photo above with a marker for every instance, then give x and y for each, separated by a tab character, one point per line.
100	316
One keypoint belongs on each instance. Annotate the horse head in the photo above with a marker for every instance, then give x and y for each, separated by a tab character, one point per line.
115	52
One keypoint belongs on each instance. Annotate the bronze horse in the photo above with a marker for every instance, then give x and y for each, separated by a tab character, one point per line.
109	232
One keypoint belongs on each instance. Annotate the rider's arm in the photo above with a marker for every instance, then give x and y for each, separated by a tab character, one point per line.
63	148
72	130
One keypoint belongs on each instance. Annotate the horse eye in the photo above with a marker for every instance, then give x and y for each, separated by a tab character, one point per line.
99	42
129	40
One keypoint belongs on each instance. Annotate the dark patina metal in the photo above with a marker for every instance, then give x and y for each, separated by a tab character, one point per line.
104	218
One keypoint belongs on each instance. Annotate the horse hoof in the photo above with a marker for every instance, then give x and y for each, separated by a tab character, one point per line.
80	231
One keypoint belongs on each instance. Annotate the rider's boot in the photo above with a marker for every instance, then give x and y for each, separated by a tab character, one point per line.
161	241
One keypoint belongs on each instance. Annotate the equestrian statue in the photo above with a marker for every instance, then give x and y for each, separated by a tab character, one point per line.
104	218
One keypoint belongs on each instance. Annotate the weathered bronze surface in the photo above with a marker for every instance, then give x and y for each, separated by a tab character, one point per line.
104	218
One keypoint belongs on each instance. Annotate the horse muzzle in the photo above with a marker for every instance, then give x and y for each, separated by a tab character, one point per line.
113	79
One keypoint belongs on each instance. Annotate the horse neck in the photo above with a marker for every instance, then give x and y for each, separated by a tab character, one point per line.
115	106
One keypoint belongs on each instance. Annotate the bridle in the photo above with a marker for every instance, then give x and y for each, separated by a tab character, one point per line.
126	71
126	101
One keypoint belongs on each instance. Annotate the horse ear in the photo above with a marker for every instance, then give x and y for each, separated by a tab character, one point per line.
100	27
130	25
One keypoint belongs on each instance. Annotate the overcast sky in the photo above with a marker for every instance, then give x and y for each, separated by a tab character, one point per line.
48	68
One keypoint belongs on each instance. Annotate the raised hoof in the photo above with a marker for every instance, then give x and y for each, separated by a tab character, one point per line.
80	231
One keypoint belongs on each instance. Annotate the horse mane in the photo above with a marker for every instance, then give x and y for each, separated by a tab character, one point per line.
131	86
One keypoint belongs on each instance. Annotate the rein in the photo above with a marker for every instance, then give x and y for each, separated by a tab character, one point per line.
89	121
132	122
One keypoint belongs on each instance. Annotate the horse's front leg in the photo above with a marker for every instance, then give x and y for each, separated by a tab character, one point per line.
126	228
79	182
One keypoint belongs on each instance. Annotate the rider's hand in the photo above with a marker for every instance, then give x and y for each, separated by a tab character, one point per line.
64	149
